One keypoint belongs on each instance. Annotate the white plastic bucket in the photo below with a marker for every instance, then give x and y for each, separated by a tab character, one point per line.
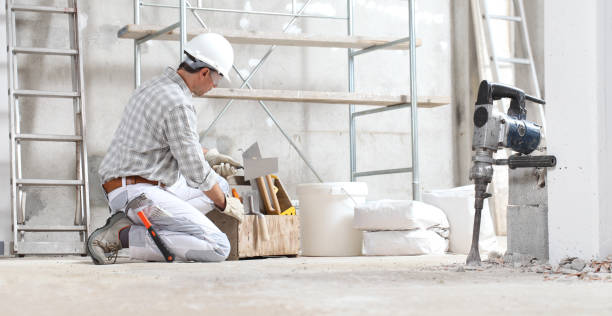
326	218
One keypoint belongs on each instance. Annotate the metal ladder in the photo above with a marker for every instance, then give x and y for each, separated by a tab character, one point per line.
18	183
482	23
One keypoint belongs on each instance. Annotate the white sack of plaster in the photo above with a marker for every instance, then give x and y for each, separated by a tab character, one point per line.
403	243
458	205
398	215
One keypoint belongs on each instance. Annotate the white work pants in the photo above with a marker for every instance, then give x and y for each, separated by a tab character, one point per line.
187	232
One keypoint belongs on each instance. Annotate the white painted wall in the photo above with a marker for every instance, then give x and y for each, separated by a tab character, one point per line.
578	58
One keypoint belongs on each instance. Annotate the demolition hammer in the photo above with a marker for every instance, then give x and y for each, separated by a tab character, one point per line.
494	130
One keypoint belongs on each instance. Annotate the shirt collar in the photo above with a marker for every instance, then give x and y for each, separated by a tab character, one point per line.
174	76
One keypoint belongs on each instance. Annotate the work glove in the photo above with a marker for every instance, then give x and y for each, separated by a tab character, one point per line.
213	157
225	170
233	208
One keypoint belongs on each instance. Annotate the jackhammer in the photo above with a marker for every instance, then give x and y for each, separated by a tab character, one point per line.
494	130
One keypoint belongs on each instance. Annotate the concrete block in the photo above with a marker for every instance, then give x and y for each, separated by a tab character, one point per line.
528	231
524	188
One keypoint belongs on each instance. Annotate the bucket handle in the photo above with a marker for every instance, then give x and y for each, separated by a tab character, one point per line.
341	191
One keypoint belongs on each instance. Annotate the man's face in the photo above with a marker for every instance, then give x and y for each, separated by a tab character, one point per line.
207	79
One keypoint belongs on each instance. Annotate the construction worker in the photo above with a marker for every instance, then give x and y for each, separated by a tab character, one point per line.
156	155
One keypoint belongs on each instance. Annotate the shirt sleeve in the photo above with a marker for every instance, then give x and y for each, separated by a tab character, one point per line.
180	127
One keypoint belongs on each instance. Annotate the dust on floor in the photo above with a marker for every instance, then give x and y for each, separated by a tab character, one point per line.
300	286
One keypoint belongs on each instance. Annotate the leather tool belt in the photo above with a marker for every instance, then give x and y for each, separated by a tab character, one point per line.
113	184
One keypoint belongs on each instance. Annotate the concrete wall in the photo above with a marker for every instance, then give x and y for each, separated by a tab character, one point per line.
320	130
578	80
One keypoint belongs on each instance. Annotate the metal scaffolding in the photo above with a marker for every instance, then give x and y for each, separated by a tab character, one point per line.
185	5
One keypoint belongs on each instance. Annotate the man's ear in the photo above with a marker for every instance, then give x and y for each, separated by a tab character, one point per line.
204	72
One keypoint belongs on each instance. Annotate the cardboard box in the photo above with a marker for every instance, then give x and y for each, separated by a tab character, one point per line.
284	232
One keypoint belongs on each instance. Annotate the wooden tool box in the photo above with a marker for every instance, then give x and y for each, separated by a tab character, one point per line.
245	238
284	232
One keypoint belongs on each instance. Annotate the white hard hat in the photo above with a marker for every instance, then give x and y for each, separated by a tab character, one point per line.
214	50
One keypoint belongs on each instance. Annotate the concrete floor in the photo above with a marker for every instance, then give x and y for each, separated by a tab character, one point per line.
302	286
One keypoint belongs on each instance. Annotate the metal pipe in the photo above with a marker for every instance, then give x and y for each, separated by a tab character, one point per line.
11	43
158	33
183	22
86	212
265	108
247	12
196	15
257	67
136	46
382	109
381	46
351	88
416	181
383	171
77	110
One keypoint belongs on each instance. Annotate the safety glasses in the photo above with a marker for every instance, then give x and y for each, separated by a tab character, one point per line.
215	76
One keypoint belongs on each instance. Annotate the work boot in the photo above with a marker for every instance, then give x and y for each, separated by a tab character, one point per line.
106	239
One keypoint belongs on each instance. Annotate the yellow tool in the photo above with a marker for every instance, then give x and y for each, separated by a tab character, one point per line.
289	211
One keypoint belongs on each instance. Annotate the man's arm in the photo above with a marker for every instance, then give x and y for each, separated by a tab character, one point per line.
180	129
217	196
181	132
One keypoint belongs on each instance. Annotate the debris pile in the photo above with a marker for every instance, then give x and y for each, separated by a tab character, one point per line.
569	268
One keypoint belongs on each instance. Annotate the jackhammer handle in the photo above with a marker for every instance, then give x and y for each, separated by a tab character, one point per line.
534	99
532	161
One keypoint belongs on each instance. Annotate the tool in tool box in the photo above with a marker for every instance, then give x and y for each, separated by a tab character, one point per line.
494	130
273	197
289	211
262	224
236	195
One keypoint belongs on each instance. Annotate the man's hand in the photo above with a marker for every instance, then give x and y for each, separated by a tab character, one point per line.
234	208
213	157
225	170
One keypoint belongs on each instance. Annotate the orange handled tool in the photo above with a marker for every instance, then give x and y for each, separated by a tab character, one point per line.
158	241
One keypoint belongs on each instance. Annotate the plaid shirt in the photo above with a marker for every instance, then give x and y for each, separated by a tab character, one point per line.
157	137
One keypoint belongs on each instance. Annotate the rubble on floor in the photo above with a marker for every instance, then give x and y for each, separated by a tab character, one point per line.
568	269
597	269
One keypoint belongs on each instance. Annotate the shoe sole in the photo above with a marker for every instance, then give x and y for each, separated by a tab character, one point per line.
110	221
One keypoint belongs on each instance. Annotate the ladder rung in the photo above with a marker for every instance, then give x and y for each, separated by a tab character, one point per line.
48	94
51	138
504	17
379	172
33	228
512	60
50	248
44	51
48	182
35	8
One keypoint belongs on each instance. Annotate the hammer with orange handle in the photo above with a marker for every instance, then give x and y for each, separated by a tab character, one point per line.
168	256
